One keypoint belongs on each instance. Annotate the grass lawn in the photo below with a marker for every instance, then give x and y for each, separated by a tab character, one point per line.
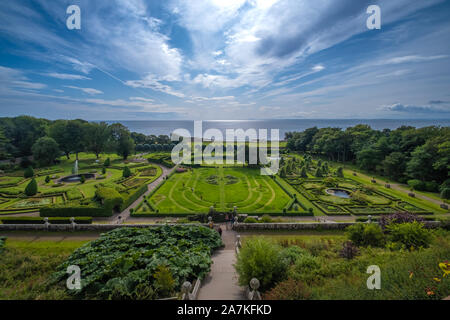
26	266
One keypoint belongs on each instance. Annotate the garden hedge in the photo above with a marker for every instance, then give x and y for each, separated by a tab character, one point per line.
75	211
133	197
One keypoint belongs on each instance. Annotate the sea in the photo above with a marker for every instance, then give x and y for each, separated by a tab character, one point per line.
166	127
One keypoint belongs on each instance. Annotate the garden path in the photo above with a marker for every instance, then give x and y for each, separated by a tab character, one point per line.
221	283
126	213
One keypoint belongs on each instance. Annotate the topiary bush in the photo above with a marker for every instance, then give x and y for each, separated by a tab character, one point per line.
260	258
107	162
340	172
362	234
29	172
411	235
47	179
126	172
250	220
32	188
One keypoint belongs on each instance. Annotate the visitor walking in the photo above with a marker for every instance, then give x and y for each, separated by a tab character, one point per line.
227	220
219	230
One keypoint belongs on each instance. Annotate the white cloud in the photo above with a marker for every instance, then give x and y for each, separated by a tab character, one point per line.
90	91
66	76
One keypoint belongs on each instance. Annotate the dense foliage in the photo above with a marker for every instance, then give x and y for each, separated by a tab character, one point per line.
150	263
44	139
262	259
2	243
366	235
403	154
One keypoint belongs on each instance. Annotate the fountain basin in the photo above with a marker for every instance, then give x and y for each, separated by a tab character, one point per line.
77	177
341	193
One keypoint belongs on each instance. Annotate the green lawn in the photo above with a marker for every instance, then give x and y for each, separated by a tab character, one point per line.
26	266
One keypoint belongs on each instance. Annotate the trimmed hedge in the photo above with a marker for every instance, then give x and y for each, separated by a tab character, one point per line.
80	211
185	214
133	197
39	220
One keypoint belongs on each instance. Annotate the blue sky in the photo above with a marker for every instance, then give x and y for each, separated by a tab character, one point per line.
219	59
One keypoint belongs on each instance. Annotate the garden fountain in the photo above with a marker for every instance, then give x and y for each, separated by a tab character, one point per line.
75	167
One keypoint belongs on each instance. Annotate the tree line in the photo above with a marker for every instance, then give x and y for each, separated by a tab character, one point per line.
46	140
417	156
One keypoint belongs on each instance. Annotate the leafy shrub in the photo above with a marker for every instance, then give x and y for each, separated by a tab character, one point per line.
260	258
318	173
109	197
82	179
164	283
126	172
416	184
340	172
32	188
289	289
292	253
445	193
349	250
398	217
29	172
250	220
364	235
410	235
103	170
47	179
304	267
107	162
2	243
266	219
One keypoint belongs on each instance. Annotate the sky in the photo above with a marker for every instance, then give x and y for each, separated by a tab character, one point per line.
225	60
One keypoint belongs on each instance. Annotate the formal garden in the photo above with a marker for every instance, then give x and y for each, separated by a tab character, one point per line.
331	190
89	186
198	190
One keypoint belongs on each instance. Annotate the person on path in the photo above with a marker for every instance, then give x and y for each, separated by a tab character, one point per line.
227	220
219	230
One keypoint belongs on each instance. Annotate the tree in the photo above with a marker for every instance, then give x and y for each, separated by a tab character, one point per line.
394	165
58	132
97	136
32	188
29	172
123	143
45	151
445	193
75	131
